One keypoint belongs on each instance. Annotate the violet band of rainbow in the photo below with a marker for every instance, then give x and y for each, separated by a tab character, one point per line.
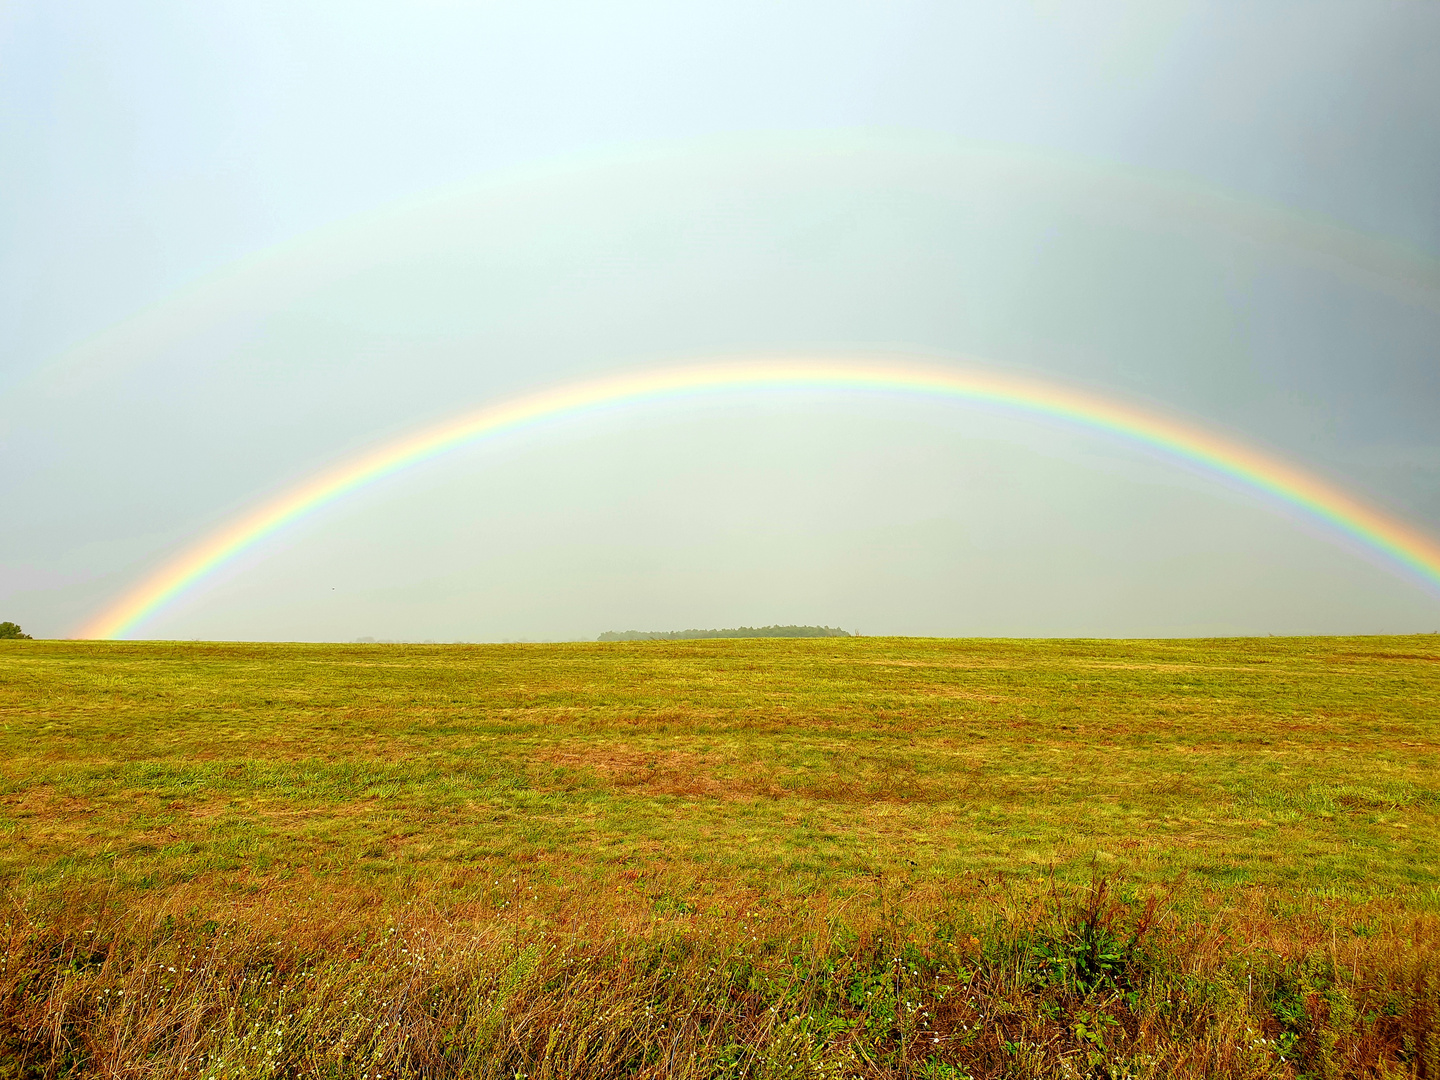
1404	547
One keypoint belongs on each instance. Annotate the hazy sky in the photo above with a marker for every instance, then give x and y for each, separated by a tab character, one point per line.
240	241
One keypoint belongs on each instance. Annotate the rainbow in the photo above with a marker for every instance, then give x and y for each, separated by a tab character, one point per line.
1348	518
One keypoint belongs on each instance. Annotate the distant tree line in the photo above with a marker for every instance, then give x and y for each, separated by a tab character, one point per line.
12	630
737	632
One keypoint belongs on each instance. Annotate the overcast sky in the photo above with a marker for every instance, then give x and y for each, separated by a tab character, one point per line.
240	241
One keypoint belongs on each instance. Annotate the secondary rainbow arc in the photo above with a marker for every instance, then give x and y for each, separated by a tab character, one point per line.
1402	546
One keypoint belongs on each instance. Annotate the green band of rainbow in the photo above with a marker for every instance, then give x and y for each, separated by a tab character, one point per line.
1402	546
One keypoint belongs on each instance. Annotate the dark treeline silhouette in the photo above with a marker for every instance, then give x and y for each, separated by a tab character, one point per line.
738	632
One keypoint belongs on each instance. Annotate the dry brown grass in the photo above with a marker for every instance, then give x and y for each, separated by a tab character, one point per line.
987	981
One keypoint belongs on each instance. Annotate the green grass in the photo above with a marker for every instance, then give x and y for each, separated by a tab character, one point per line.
1308	764
815	802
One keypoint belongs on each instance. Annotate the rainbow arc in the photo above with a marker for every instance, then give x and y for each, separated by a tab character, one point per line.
1403	547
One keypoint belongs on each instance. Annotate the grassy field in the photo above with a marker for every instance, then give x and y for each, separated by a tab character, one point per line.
883	857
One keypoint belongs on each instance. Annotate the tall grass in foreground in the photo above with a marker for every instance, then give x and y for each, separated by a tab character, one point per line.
1016	981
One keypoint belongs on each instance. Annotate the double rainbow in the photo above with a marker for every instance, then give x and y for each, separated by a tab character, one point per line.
1403	547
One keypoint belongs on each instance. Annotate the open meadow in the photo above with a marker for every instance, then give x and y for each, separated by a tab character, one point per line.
759	858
